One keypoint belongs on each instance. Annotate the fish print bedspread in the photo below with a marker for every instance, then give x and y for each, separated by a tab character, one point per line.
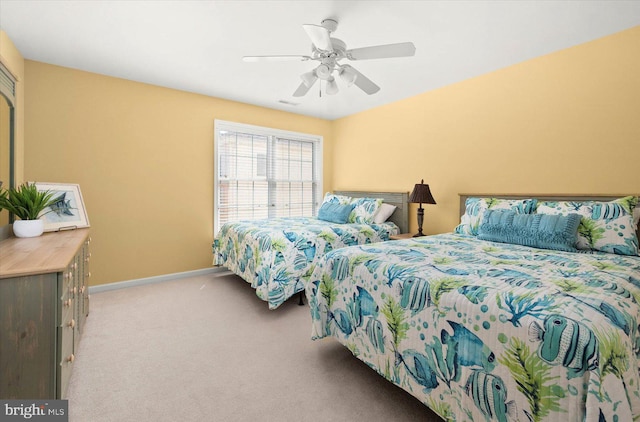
277	256
484	331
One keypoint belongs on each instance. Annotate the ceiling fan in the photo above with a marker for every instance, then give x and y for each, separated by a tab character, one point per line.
329	52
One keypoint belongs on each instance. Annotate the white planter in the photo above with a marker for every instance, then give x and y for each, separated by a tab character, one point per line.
28	228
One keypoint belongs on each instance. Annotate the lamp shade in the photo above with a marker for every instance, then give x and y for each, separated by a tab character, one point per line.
323	71
421	194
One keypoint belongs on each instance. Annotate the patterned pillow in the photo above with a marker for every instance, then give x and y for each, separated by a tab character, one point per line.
476	207
336	199
364	209
605	226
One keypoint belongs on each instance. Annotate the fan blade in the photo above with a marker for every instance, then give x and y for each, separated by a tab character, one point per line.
303	89
319	36
363	82
403	49
275	58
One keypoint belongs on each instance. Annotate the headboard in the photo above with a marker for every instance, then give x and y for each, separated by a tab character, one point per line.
400	199
544	197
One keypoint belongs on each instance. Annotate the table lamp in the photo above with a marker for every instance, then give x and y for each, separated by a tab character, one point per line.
421	195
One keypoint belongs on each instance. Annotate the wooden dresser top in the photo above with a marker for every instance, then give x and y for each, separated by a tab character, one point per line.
48	253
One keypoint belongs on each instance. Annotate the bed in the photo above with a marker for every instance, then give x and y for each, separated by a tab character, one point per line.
491	330
277	256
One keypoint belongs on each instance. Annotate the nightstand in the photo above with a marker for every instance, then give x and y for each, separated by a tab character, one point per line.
401	236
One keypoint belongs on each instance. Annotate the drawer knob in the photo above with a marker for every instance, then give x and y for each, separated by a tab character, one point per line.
71	358
67	303
72	324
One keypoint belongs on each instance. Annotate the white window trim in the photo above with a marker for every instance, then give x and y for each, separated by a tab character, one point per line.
220	125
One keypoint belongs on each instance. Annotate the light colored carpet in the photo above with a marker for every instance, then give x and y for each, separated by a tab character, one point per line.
207	349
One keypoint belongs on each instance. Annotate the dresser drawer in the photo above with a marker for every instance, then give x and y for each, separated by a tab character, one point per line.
67	285
67	314
67	328
66	356
66	294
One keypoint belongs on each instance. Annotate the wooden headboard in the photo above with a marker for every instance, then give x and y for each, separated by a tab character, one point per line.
400	199
543	197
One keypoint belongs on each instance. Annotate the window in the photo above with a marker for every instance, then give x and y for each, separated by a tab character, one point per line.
262	173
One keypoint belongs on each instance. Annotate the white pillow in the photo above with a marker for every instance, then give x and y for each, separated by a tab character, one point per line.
383	213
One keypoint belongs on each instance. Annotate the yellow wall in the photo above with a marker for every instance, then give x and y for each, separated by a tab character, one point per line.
143	156
567	122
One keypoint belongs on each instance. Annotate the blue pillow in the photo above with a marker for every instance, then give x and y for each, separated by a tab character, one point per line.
558	232
334	212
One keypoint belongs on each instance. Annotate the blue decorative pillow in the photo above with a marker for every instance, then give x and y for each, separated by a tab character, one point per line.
558	232
476	207
334	212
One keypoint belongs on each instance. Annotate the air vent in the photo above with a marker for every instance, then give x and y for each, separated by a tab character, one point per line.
291	103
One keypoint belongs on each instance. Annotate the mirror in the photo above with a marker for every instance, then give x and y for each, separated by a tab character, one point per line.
7	122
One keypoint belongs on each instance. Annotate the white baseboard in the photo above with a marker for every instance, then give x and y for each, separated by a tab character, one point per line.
156	279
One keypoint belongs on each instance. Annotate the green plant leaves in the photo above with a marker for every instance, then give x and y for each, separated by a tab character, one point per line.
590	231
328	290
396	321
534	379
25	201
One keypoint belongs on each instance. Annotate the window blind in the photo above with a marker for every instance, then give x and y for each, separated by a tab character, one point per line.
265	173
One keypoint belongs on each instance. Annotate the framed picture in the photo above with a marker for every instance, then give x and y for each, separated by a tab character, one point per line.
67	212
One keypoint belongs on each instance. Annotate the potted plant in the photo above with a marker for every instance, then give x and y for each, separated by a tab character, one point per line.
26	203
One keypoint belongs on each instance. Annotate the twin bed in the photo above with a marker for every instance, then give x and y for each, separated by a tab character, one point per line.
528	311
277	256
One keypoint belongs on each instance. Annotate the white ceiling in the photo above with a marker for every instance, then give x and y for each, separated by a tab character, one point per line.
197	46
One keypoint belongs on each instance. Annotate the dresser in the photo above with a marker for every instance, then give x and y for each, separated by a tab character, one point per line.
44	302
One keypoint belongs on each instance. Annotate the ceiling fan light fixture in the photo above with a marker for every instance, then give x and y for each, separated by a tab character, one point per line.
348	75
309	78
323	72
332	86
